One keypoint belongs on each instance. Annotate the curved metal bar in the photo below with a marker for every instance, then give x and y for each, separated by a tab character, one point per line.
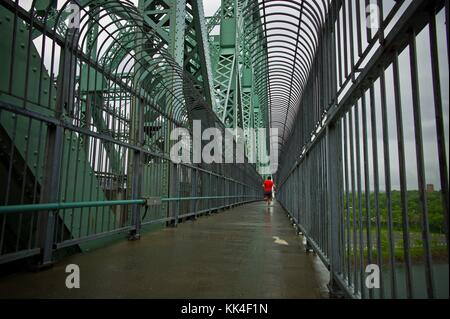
291	30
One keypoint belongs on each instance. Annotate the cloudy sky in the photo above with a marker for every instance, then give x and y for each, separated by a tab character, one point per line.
210	7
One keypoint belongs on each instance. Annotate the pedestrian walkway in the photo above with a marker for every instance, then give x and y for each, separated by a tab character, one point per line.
250	251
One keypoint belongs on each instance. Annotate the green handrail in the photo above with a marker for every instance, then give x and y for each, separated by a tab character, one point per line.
58	206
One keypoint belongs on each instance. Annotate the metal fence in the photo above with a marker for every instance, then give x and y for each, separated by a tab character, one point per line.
86	113
364	172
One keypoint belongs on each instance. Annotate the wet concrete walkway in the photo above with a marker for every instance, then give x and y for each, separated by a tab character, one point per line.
250	251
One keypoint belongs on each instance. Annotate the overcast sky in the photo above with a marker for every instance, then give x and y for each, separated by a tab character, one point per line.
211	7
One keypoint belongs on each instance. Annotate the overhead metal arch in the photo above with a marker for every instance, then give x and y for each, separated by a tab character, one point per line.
290	43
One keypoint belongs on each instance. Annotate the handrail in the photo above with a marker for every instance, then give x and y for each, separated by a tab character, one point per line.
70	205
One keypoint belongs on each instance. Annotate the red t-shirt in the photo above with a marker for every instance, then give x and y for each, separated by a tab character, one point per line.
268	185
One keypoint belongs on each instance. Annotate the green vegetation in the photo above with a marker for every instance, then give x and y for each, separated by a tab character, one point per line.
438	249
434	204
435	217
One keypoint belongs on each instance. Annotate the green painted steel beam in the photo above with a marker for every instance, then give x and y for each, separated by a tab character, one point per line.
241	103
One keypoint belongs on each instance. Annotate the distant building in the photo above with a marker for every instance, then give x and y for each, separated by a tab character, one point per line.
430	188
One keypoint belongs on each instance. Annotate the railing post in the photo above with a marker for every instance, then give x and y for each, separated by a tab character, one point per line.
50	191
334	207
54	150
194	187
173	192
137	169
136	190
209	188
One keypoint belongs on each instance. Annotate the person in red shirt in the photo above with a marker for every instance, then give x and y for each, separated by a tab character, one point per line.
268	188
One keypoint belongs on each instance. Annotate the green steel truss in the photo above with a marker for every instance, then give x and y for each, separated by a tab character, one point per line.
222	66
241	102
86	115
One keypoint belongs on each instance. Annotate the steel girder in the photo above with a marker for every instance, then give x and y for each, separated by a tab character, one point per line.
241	99
231	90
181	25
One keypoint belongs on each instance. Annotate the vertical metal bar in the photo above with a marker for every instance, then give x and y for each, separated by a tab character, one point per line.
54	152
353	186
367	192
347	195
352	45
339	47
421	165
3	226
138	137
359	195
376	179
24	181
447	31
345	38
368	29
13	49
65	194
381	22
439	116
358	26
34	216
387	178
402	173
334	189
12	151
174	180
50	191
